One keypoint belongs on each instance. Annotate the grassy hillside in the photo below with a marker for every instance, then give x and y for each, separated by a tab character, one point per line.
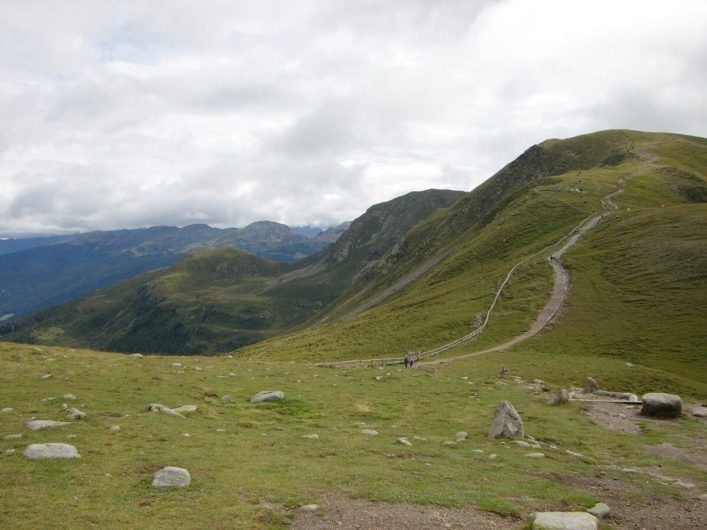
638	279
251	467
219	300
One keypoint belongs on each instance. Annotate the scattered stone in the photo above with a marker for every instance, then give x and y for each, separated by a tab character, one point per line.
563	521
114	428
506	423
449	442
71	436
562	396
462	435
268	395
659	404
538	382
591	385
700	412
51	450
370	432
7	409
157	407
46	376
477	451
535	455
36	425
629	365
64	406
10	451
521	443
227	399
703	497
493	456
309	507
47	400
69	397
135	355
12	437
404	441
177	365
220	430
599	510
578	455
311	436
186	435
75	414
209	393
186	408
171	477
379	378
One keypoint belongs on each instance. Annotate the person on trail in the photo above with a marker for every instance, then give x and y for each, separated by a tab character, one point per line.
409	359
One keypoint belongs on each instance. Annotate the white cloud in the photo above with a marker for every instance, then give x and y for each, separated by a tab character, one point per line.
124	114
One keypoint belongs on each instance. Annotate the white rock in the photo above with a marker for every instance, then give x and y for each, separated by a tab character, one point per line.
404	441
135	355
171	477
7	409
370	432
71	436
177	365
268	395
599	510
114	428
36	425
10	451
578	455
158	407
12	437
76	414
462	435
700	412
47	400
311	436
538	382
629	365
493	456
46	376
309	507
449	442
186	435
186	408
563	521
477	451
69	397
521	443
226	399
535	455
51	450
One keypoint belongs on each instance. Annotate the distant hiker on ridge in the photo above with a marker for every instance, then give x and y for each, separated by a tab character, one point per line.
409	359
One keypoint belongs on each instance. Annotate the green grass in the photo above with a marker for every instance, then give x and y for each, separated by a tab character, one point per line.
261	456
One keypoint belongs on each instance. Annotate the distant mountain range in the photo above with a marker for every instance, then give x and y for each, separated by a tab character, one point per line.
41	272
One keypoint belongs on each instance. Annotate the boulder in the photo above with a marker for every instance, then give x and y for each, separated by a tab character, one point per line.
663	405
36	425
562	396
268	395
171	477
51	450
506	422
76	414
158	407
699	412
599	510
591	385
563	521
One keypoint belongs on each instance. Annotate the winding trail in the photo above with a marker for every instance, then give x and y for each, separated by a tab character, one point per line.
558	297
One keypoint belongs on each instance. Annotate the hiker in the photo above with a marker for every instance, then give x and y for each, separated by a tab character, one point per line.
409	359
503	371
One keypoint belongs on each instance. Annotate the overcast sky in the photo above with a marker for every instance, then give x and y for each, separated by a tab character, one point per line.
125	114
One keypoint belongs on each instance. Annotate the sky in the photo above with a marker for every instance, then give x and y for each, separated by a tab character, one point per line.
124	114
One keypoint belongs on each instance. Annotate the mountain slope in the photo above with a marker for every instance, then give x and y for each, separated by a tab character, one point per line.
194	307
526	206
44	272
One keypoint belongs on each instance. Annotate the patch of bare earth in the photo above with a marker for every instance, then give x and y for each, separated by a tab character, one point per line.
340	511
646	513
617	417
